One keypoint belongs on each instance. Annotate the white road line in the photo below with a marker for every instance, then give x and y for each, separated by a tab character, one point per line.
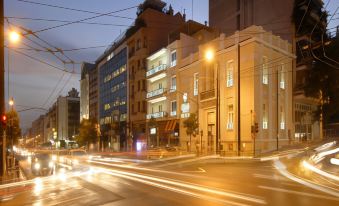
298	193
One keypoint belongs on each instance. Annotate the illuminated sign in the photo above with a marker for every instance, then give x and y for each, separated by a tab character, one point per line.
153	130
185	107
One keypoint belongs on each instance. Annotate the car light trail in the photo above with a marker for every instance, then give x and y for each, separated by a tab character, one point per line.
282	170
320	156
174	189
334	161
320	172
188	186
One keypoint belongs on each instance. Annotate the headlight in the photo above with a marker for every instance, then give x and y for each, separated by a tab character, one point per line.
76	162
50	164
54	157
37	166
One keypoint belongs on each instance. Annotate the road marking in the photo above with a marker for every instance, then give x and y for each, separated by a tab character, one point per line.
200	170
298	193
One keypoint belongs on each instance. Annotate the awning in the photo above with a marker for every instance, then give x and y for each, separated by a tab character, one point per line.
170	125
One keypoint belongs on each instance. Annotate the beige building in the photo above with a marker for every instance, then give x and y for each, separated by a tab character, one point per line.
182	81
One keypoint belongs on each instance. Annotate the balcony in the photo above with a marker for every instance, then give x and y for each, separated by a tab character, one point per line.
157	69
207	94
155	93
173	113
156	115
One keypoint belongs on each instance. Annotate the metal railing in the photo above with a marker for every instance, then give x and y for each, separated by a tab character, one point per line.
157	69
156	115
155	93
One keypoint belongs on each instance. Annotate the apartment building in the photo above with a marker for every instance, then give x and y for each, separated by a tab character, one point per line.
84	88
167	84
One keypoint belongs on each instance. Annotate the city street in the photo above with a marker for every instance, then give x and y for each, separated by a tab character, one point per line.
186	181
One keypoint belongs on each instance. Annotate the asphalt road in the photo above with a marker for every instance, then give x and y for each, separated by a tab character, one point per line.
176	182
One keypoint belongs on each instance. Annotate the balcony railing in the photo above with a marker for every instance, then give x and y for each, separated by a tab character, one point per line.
207	94
173	113
155	93
157	69
156	115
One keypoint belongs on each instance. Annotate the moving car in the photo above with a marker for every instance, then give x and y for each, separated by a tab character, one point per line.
42	164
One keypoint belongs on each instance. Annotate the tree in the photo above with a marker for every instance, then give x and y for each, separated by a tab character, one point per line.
192	127
322	83
88	132
13	130
153	124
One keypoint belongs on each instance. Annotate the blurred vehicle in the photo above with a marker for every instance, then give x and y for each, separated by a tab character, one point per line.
75	157
42	164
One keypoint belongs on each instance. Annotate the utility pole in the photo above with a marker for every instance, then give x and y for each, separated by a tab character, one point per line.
239	122
218	111
2	88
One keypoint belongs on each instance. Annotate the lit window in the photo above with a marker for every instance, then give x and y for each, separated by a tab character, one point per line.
264	71
264	121
173	58
229	77
173	108
282	120
196	84
173	83
230	118
282	77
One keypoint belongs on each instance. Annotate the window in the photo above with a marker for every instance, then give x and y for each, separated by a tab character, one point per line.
264	71
139	64
143	106
173	58
138	106
139	85
145	42
160	107
138	46
107	106
133	108
160	85
230	118
282	119
196	84
264	121
173	108
173	83
144	85
229	73
282	77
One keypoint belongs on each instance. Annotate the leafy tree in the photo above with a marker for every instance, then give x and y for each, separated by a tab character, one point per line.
88	132
323	83
13	130
153	124
192	127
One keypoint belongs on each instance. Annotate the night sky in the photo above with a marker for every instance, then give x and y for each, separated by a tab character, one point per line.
32	83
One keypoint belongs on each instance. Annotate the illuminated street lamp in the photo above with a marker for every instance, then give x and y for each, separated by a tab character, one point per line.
209	56
14	36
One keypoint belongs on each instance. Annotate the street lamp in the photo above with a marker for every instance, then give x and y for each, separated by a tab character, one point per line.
14	36
209	56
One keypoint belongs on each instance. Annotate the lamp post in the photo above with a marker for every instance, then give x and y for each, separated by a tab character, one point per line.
209	56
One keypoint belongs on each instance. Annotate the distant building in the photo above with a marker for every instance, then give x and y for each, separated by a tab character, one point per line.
84	90
68	115
113	98
38	128
93	95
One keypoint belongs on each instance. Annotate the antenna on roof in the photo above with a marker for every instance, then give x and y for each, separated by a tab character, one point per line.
192	9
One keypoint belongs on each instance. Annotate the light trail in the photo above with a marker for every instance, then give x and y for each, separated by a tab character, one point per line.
320	172
282	170
177	190
188	186
334	161
320	156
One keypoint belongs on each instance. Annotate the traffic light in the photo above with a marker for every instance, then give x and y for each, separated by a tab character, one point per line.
256	127
3	121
